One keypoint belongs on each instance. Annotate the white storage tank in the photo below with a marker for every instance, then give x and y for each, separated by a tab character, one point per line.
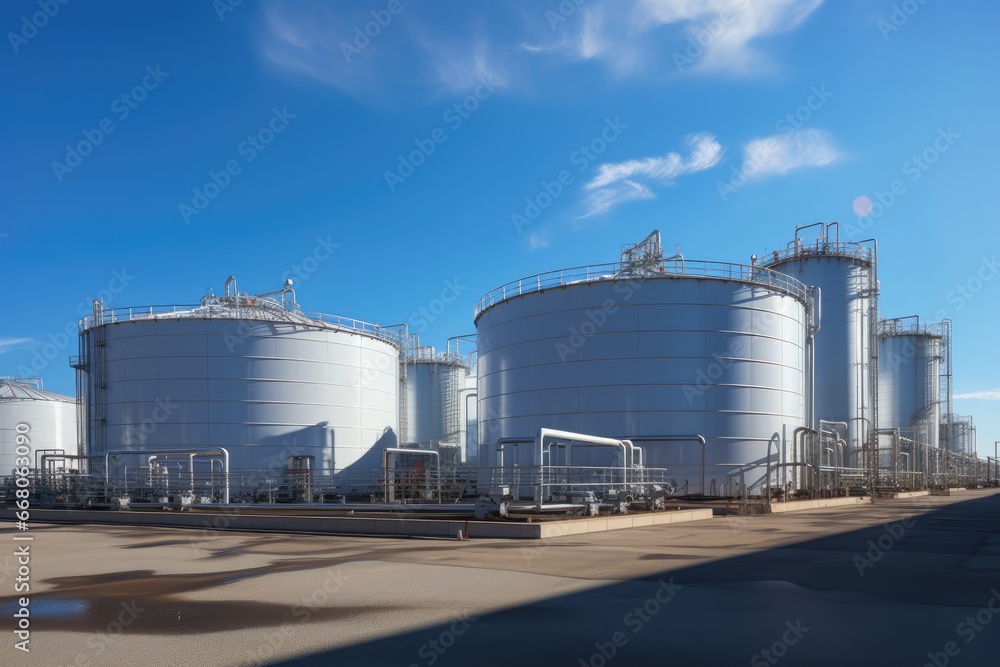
909	376
643	348
845	274
48	421
435	386
250	373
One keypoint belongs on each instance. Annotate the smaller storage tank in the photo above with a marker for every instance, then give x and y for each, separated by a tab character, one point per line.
46	421
958	434
845	273
909	372
436	386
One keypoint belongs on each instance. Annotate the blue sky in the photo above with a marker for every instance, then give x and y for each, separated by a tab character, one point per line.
151	149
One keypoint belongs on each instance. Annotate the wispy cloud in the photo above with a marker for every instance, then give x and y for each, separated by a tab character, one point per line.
782	153
8	344
619	182
537	241
607	198
986	395
434	50
351	50
728	31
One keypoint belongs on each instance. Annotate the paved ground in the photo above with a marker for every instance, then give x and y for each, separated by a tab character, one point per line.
903	583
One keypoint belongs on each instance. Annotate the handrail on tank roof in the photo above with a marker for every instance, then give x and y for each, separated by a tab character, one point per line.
669	268
798	249
191	311
894	326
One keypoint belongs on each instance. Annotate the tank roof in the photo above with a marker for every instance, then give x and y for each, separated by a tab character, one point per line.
675	267
267	307
10	390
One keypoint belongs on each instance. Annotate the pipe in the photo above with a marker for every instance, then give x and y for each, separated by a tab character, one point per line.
837	225
799	228
131	452
500	448
677	438
776	438
636	449
287	287
617	443
796	439
545	433
42	451
417	452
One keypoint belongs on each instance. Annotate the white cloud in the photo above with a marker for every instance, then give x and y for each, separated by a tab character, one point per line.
590	44
328	42
705	153
618	182
782	153
987	395
604	199
8	344
724	29
537	241
448	50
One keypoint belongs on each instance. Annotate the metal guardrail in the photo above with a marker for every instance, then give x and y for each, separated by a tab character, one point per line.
819	248
669	268
196	311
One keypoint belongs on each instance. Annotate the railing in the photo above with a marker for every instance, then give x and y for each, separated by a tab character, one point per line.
668	268
898	328
427	354
819	248
394	335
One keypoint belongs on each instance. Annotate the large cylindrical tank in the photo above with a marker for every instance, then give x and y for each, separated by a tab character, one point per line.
435	382
47	420
671	348
843	274
247	373
909	368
